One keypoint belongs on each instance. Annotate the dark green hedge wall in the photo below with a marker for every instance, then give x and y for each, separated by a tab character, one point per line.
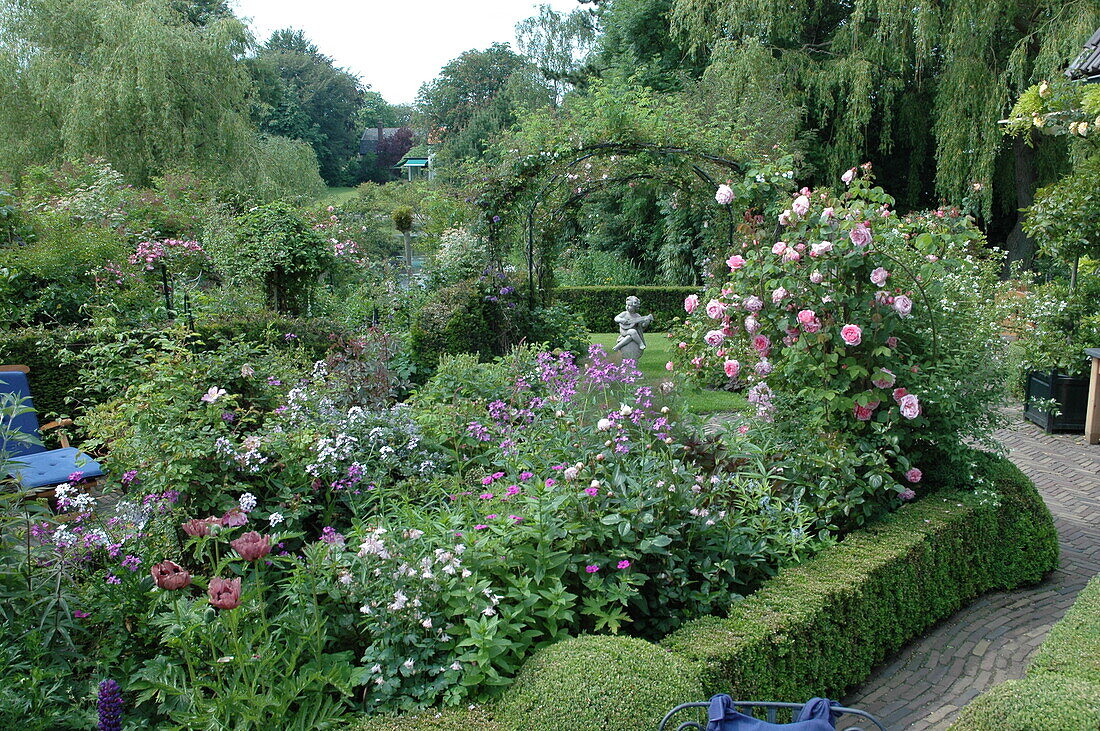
599	305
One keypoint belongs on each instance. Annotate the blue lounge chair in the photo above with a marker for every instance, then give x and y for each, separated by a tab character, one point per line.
35	469
722	712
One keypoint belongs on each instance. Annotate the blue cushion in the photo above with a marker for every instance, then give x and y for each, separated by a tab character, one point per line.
52	468
15	382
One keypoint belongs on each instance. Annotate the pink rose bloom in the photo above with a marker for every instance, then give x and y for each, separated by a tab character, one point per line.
682	345
791	255
910	406
817	277
778	294
907	494
690	303
752	325
715	309
827	214
891	342
878	277
822	248
903	305
724	195
914	475
761	343
754	303
805	317
860	235
735	262
801	205
899	393
884	378
851	334
714	338
697	361
848	176
779	247
732	368
882	297
669	366
932	258
764	367
785	218
863	413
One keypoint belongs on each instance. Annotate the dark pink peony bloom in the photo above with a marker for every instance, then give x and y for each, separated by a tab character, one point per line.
252	546
225	593
170	575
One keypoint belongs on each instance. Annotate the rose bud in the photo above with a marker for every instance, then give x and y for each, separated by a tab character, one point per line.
252	546
224	593
170	575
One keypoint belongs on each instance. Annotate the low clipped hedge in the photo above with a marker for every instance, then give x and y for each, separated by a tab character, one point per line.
599	305
1062	687
819	629
816	629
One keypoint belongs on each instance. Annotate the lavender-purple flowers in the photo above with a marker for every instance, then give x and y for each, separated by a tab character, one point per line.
110	706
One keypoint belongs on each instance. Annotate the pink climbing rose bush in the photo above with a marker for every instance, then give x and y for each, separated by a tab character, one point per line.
875	330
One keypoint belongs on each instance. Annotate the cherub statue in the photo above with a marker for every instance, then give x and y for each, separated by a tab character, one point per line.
632	328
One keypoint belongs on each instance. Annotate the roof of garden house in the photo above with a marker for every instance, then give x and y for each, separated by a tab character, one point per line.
1087	64
368	142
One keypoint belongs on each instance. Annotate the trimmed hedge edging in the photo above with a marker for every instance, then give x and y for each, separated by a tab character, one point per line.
1062	686
599	305
819	628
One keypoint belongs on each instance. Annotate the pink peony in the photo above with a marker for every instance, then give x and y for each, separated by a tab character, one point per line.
910	406
860	235
884	378
732	368
848	176
914	475
851	334
878	277
735	262
903	305
690	303
801	205
715	309
724	195
714	338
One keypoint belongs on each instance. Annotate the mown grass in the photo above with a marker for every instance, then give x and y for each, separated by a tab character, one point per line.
335	196
652	365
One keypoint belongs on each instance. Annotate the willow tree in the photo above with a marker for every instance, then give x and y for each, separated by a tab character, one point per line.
919	85
147	84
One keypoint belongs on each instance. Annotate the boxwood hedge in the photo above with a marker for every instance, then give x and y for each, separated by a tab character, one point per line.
816	629
599	305
1062	687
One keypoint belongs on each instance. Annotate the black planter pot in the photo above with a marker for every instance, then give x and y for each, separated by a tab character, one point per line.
1071	394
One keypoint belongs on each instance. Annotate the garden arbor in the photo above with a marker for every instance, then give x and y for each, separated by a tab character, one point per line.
563	181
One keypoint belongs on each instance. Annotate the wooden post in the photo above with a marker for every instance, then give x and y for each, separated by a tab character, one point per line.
1092	416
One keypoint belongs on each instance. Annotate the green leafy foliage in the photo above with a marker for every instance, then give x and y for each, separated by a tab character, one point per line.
598	305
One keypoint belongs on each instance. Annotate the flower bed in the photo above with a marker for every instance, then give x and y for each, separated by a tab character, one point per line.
818	628
1062	687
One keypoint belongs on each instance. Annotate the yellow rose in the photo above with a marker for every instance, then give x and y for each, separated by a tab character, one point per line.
1044	89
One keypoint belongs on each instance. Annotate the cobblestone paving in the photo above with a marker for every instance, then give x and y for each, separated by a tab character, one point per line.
926	684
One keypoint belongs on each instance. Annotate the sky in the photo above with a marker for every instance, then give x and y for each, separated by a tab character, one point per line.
394	45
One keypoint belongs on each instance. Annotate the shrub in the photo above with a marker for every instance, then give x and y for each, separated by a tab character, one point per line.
599	305
473	718
820	628
595	682
50	379
1073	645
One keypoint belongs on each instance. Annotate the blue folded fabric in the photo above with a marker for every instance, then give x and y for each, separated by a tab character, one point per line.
52	467
816	715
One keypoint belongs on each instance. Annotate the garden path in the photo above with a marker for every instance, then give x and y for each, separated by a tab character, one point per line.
925	685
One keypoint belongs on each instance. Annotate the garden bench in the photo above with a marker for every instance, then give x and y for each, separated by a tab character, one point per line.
858	720
36	470
1092	415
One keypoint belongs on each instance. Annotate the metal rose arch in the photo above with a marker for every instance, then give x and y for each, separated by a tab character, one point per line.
694	159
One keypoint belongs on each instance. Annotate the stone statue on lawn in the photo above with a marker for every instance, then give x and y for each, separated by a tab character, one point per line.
632	327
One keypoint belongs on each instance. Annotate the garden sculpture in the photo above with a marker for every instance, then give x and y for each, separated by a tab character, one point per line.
632	327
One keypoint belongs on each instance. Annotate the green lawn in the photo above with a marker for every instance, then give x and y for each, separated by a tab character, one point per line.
336	196
652	364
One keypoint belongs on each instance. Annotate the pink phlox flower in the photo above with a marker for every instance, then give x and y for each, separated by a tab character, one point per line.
592	568
624	564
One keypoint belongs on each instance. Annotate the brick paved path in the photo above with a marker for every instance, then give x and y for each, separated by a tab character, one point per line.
925	684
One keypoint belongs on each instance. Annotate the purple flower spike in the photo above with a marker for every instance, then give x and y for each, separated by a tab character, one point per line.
110	706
